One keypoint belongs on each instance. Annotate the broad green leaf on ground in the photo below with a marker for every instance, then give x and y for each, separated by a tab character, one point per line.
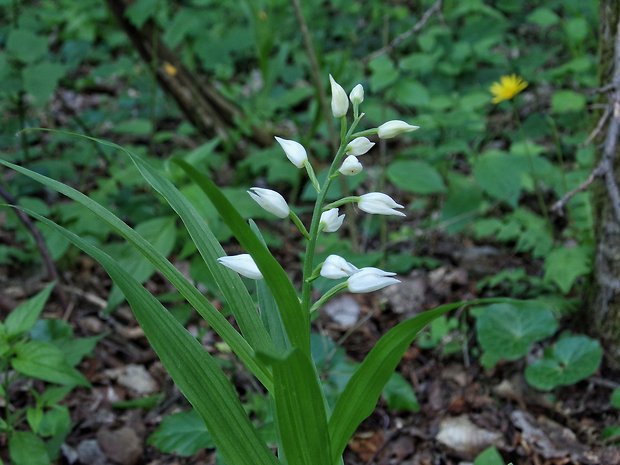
399	394
415	176
567	101
45	361
489	456
23	318
40	79
498	174
182	433
506	331
568	361
25	45
26	448
564	265
192	368
215	318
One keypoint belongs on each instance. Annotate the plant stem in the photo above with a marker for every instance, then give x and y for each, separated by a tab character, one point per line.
299	224
345	136
539	196
327	296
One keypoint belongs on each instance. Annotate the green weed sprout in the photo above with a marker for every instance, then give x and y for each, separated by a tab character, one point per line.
273	340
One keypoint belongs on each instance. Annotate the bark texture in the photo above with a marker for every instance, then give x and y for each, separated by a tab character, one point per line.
605	308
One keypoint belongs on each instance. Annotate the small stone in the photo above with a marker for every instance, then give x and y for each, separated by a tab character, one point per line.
138	379
122	445
343	310
89	453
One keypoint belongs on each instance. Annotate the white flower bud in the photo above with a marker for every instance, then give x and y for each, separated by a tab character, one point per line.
330	221
394	128
243	264
359	146
357	95
294	151
270	200
379	203
336	267
340	101
351	166
370	279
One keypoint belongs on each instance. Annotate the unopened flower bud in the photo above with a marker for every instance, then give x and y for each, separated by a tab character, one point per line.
357	95
243	264
394	128
270	200
294	151
351	166
336	267
370	279
359	146
379	203
330	220
340	101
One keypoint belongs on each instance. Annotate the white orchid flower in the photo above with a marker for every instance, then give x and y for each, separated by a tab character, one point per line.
370	279
394	128
243	264
330	221
379	204
294	151
336	267
271	201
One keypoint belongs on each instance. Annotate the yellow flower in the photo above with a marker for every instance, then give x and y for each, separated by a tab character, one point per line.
507	88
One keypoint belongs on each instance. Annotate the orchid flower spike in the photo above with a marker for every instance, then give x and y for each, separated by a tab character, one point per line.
271	201
294	151
350	166
243	264
370	279
330	221
394	128
340	101
336	267
357	95
359	146
379	204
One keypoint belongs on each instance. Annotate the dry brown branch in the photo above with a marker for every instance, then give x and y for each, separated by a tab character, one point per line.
399	39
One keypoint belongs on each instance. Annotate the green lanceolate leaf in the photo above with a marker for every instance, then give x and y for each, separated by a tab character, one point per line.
296	321
217	321
182	433
45	361
228	281
300	410
192	368
23	318
359	397
269	314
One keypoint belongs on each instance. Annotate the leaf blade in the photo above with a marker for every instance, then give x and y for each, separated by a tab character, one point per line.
193	369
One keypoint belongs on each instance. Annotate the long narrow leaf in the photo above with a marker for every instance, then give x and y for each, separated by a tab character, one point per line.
296	321
217	321
300	410
192	368
229	282
362	392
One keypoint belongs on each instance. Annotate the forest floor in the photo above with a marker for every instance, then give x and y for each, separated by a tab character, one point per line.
464	408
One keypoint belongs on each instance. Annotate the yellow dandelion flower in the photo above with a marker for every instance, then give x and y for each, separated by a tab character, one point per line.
507	88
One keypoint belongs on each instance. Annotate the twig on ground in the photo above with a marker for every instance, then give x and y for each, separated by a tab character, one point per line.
417	27
52	272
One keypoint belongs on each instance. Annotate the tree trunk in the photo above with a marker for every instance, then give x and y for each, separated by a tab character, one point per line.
604	312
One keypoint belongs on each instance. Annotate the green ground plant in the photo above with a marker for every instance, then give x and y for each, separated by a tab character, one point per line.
42	350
